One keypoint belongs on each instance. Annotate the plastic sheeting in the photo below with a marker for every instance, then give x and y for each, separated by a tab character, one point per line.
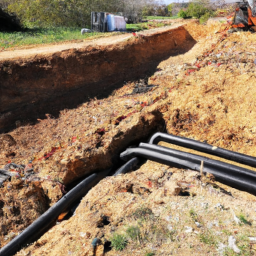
116	23
120	23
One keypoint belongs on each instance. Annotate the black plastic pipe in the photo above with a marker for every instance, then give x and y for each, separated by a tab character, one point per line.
46	220
222	173
128	166
233	169
203	147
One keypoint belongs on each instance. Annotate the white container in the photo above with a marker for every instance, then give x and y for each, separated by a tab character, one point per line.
120	24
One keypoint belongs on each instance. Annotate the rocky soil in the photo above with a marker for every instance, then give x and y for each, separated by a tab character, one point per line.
207	94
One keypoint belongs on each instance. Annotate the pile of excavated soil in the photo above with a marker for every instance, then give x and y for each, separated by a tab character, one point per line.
205	94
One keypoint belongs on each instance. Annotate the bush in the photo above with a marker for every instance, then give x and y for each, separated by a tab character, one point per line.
133	232
204	18
183	14
118	242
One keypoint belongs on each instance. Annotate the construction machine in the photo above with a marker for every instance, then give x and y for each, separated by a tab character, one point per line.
245	16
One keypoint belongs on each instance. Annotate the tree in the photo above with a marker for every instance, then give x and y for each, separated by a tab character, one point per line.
70	12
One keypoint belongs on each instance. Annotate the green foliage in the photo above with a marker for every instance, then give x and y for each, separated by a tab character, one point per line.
197	10
204	18
193	214
244	220
133	232
183	14
118	242
150	254
170	8
69	13
208	238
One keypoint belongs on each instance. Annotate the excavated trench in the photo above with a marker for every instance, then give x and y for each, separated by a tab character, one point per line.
31	87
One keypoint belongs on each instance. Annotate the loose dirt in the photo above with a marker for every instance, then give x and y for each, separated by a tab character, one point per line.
207	94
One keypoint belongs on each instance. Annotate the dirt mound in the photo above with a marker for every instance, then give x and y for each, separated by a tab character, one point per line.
9	22
205	94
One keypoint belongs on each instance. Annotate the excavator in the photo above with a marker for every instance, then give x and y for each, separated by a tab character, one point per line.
245	16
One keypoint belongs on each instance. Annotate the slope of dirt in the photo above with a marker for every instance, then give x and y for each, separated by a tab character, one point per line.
53	80
200	94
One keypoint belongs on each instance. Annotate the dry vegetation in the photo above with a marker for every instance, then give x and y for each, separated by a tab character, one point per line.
206	94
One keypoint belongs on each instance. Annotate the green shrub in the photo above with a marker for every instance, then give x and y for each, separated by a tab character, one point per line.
204	18
183	14
118	242
133	232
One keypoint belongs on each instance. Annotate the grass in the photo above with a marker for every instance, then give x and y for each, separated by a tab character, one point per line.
244	220
42	36
35	36
143	26
118	241
160	17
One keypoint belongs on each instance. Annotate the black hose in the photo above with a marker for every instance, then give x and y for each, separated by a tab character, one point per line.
233	169
46	220
203	147
128	166
221	173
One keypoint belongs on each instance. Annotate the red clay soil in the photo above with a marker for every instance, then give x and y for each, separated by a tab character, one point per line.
47	83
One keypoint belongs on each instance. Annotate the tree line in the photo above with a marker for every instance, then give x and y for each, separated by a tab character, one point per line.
71	13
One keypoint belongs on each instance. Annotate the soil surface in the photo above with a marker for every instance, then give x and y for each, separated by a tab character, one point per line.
206	93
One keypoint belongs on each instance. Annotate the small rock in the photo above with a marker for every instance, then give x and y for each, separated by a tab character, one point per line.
188	229
198	224
232	245
252	240
219	206
221	248
168	218
169	227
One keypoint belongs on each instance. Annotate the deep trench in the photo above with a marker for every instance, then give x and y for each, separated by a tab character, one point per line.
31	88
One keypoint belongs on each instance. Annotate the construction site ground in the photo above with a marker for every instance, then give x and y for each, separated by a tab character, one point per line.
208	94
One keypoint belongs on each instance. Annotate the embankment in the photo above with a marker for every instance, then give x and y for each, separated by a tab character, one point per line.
47	83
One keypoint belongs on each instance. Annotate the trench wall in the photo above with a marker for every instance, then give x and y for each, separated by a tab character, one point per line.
31	87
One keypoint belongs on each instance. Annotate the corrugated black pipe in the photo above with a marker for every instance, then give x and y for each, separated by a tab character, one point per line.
46	220
128	166
223	172
203	147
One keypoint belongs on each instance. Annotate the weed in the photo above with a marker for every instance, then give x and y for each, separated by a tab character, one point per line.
118	242
143	213
193	214
244	220
226	232
208	238
150	254
133	232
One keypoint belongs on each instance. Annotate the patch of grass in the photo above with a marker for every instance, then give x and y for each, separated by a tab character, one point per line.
42	36
133	232
143	213
150	254
244	220
118	241
160	17
208	238
193	214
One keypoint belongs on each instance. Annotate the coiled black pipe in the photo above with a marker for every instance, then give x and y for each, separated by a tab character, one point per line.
46	220
223	172
203	147
127	166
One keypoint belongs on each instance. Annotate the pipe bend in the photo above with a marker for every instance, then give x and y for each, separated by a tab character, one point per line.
127	166
42	224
